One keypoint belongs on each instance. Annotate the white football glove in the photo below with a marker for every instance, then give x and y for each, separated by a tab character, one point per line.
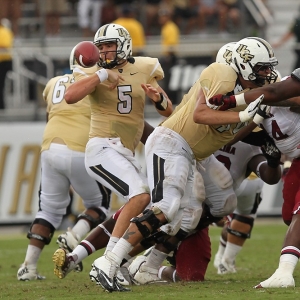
261	114
251	109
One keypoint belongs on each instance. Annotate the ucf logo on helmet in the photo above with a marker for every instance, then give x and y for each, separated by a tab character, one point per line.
244	53
227	56
122	32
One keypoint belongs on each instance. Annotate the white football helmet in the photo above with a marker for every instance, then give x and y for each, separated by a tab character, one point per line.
72	61
119	35
224	55
251	54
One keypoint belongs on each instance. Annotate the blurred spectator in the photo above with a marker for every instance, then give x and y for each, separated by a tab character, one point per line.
152	7
89	24
170	38
12	10
6	44
108	12
186	14
170	34
135	28
229	12
294	31
207	9
54	9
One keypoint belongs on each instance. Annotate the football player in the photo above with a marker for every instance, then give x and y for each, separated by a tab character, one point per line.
117	120
196	135
242	159
191	134
62	164
282	125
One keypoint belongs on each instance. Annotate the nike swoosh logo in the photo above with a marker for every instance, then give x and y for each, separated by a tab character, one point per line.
107	279
133	73
120	279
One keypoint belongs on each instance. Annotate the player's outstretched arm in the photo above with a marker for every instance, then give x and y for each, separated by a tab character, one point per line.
205	115
81	88
275	92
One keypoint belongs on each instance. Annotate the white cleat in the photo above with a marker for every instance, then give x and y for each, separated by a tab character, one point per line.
135	265
104	271
123	276
278	280
25	273
63	263
225	268
67	240
217	260
146	275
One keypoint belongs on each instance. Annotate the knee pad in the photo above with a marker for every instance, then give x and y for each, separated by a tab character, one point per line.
241	219
156	237
94	221
150	218
45	240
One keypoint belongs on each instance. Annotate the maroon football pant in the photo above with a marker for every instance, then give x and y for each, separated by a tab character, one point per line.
291	192
193	256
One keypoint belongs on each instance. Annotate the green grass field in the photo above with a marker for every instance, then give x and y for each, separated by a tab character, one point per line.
257	261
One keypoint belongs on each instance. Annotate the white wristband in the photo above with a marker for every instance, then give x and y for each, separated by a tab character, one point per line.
240	100
244	117
102	74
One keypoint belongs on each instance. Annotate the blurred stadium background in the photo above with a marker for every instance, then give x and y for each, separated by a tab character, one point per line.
37	58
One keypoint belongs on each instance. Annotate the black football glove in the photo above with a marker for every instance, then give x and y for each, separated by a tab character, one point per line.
271	153
261	114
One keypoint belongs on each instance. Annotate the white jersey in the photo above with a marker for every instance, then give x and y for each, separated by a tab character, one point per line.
284	127
236	158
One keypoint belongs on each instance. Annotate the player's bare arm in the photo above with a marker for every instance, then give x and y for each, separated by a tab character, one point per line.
160	99
79	89
205	115
292	102
273	93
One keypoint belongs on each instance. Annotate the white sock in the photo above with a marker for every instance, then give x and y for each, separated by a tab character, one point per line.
222	247
111	243
32	256
80	229
287	263
231	252
121	249
81	252
155	259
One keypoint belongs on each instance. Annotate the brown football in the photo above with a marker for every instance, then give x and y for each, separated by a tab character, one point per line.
86	54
